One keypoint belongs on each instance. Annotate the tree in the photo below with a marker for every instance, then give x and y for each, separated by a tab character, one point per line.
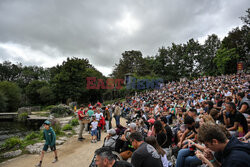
46	95
226	60
131	62
9	71
32	91
3	102
69	80
210	47
246	19
13	95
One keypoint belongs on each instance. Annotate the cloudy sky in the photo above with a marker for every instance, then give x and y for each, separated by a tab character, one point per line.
46	32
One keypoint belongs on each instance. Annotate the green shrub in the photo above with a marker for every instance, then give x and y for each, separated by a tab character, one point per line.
48	107
32	135
56	126
23	117
67	127
12	142
74	122
61	110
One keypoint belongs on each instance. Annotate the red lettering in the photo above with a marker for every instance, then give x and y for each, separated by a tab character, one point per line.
100	84
110	83
118	83
90	82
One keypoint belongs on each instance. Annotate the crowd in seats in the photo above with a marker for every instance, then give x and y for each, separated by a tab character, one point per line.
202	122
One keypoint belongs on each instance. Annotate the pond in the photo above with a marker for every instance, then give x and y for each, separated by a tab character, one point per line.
10	129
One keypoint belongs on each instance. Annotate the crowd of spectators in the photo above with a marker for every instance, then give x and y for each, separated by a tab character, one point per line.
202	122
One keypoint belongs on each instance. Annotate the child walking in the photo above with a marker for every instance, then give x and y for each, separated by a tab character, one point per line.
50	141
93	126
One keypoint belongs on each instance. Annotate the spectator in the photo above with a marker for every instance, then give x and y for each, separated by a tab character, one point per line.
81	116
105	158
160	134
189	121
153	142
238	123
93	127
168	131
117	114
110	139
244	104
234	152
99	117
107	118
145	155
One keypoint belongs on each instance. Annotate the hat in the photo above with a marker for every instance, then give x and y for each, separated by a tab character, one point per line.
47	122
132	125
111	131
152	120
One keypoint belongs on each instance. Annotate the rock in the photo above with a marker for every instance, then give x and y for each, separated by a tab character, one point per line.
68	133
35	148
12	154
63	138
59	142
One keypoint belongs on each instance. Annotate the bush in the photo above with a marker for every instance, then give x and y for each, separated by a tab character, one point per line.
12	142
61	110
32	135
23	117
74	122
48	107
56	126
67	127
12	94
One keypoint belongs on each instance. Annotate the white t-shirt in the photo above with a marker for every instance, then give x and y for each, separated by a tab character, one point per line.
98	116
94	125
164	160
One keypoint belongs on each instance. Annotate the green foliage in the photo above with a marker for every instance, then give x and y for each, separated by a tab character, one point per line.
11	143
3	102
56	126
46	95
61	110
226	60
33	91
32	135
131	62
13	95
23	117
67	127
74	122
48	107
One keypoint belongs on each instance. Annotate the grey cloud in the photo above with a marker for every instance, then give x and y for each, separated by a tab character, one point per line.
87	28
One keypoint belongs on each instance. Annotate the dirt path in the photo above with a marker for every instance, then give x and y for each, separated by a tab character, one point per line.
72	153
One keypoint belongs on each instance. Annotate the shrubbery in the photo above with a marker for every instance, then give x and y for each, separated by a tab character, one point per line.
61	110
67	127
56	126
23	117
32	135
11	143
74	122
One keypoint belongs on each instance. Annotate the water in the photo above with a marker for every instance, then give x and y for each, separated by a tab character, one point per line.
10	129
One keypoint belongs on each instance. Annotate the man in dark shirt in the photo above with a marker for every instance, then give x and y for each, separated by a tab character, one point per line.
236	119
234	152
145	155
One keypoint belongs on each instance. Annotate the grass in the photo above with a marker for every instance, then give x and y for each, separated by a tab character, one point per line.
67	127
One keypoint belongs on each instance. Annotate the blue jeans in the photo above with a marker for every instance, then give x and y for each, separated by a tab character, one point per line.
117	120
185	159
